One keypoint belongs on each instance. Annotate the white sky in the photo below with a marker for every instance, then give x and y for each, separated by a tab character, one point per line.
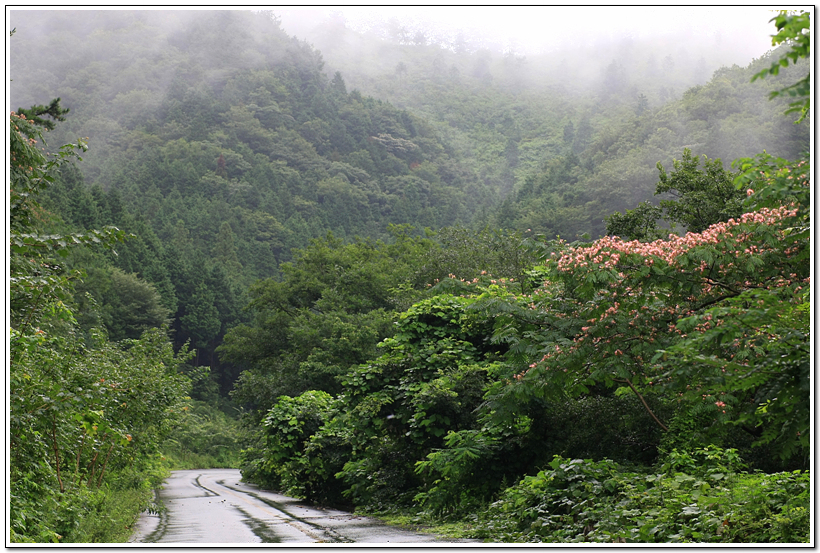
532	29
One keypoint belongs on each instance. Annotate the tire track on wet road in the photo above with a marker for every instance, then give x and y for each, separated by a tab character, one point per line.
214	506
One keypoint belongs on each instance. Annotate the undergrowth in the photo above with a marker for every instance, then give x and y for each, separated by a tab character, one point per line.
702	497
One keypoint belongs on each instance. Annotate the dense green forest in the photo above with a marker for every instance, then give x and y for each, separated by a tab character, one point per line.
418	280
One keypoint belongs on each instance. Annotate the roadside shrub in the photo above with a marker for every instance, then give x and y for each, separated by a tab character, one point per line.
459	475
324	455
697	497
286	429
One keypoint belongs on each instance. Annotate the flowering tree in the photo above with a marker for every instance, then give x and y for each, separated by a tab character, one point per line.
719	315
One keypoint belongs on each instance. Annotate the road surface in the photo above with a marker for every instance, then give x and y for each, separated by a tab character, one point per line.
213	506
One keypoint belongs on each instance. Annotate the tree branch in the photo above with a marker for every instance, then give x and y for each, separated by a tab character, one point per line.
56	450
646	405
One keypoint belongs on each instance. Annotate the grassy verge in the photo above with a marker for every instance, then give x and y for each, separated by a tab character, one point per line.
83	514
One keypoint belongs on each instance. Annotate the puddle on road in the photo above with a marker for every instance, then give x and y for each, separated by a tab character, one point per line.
332	535
159	531
258	527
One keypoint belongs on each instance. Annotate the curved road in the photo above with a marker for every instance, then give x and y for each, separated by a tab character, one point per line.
213	506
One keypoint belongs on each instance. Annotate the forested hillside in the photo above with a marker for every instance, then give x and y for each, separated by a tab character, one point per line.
219	142
222	143
648	386
548	301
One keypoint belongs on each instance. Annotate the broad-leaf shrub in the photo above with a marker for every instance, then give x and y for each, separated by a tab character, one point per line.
79	418
392	411
401	406
578	500
288	425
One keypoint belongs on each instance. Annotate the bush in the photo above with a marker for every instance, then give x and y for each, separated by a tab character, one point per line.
276	460
83	514
697	497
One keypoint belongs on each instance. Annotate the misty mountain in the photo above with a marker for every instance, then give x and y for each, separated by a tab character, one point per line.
225	106
223	143
220	143
499	117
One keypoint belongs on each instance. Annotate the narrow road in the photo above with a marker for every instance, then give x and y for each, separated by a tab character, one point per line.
213	506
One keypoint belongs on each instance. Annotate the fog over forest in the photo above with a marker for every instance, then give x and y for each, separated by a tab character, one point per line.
577	41
582	53
533	30
635	88
615	89
582	36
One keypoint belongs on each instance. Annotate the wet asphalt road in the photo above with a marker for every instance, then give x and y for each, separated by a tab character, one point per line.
213	506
